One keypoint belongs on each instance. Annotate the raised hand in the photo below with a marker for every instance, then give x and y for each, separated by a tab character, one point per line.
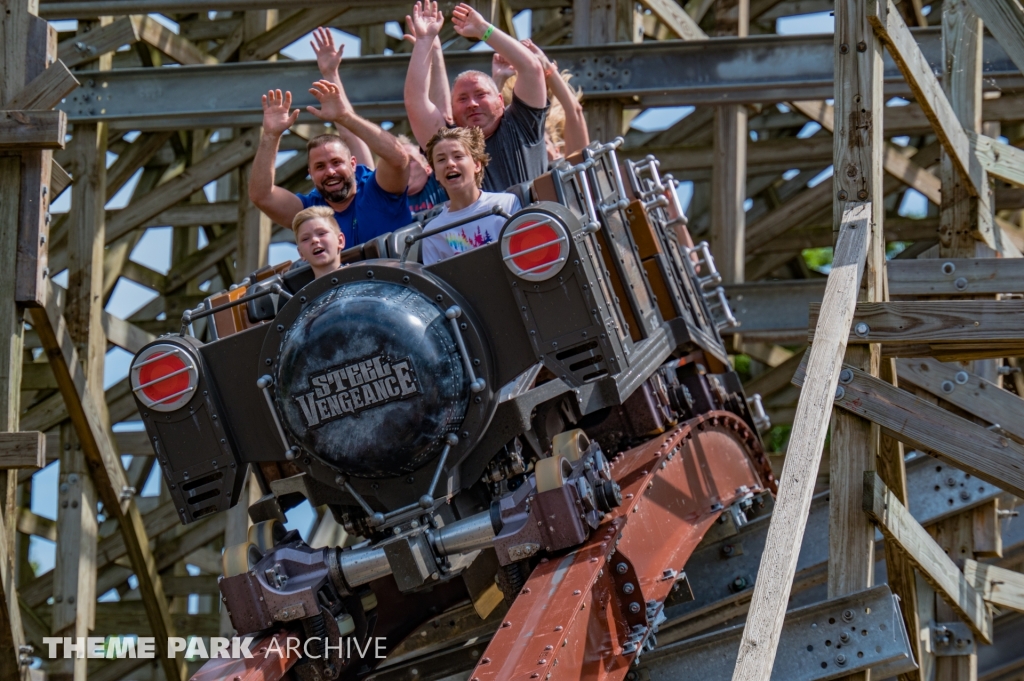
468	22
425	22
332	106
501	68
276	116
545	63
328	57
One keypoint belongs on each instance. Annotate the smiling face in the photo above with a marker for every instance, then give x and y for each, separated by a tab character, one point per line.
455	168
320	244
333	172
476	102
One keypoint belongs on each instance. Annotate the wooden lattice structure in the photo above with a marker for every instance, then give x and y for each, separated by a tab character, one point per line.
948	306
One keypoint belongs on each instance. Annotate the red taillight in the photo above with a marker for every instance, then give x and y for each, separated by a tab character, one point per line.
164	377
535	246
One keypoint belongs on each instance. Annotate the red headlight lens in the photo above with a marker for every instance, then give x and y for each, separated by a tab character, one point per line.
164	377
535	246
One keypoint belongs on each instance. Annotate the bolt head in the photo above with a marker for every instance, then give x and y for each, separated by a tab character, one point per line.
947	387
861	329
621	568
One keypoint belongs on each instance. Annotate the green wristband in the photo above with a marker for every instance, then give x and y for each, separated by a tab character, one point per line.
487	33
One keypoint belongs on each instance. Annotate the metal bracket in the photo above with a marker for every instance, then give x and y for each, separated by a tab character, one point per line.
757	412
950	639
827	640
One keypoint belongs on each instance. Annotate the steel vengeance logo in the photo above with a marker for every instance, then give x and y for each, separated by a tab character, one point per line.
356	387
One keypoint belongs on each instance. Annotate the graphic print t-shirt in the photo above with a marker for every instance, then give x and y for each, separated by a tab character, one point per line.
470	235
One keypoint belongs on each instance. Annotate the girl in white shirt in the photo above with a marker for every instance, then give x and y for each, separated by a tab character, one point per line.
458	158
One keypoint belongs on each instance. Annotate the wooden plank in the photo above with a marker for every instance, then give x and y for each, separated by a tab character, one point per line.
86	47
896	523
987	531
675	19
109	549
778	562
190	181
970	392
956	276
178	48
858	149
202	260
775	380
59	179
807	206
20	130
47	89
729	190
919	423
124	334
288	31
1000	160
891	29
254	228
1005	20
22	450
906	323
33	231
964	218
1001	587
19	47
38	526
108	473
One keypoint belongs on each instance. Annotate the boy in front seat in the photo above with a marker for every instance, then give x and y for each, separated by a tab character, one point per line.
458	158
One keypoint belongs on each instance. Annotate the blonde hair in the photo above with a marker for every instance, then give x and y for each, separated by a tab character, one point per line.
554	124
313	213
470	138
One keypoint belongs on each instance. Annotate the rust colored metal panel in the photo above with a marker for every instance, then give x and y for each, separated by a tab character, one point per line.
264	665
586	614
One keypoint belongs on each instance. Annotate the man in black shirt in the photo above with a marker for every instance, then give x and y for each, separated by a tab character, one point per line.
514	135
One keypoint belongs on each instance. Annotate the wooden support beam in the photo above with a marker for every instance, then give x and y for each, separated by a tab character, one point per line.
26	43
1000	160
892	30
38	526
288	31
201	260
729	162
47	89
20	130
102	40
969	392
109	549
85	47
108	473
965	216
1001	587
190	181
22	450
940	329
254	229
176	47
919	423
124	334
1005	20
858	149
778	562
675	19
896	523
956	276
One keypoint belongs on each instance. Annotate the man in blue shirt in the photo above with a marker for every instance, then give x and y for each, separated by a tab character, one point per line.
366	203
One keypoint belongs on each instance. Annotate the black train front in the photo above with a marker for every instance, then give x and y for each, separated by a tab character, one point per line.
428	407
